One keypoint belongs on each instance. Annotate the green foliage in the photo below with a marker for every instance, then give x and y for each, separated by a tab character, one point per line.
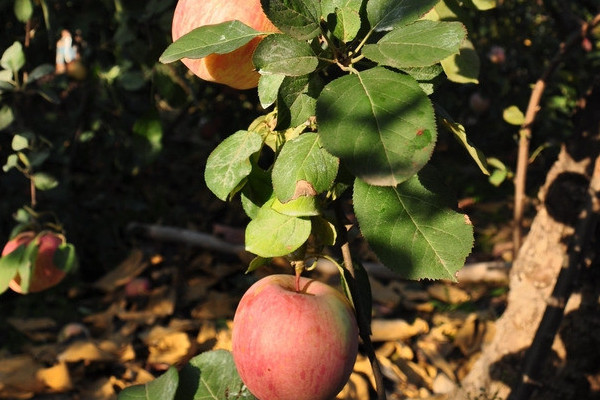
350	82
218	39
211	375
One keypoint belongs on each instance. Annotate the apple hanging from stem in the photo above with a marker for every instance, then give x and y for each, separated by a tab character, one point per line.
294	345
233	69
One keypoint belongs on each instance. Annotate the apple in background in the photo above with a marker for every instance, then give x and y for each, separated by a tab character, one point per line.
44	274
234	69
290	345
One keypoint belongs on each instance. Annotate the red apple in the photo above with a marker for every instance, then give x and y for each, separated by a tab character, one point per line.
44	273
294	345
234	69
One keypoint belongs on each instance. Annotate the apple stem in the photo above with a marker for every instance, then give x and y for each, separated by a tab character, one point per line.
298	268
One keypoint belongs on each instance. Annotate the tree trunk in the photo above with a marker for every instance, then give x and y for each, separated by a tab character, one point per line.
572	369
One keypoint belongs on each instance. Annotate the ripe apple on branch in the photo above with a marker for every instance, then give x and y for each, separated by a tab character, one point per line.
32	262
351	126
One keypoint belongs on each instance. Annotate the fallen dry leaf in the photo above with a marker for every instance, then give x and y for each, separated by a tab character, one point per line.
57	378
18	377
87	351
449	294
473	333
396	329
129	268
167	346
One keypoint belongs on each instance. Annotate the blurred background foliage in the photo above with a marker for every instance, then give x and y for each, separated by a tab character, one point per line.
126	138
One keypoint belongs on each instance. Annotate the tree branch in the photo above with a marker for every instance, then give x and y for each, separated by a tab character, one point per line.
525	132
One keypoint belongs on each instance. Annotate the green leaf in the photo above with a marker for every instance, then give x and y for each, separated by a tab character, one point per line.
513	115
6	117
379	123
427	73
412	229
44	181
297	100
483	5
229	163
212	375
343	17
282	54
25	267
65	257
256	263
149	127
461	135
9	265
161	388
419	44
385	15
11	161
268	87
13	58
324	231
303	168
303	206
19	142
210	39
257	191
39	72
464	66
271	234
37	158
298	18
23	10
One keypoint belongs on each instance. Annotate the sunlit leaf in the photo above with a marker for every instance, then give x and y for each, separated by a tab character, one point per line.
343	17
13	57
419	44
268	87
304	206
229	163
19	142
271	234
484	5
412	228
218	39
464	66
461	135
298	18
282	54
384	15
23	10
6	117
513	115
44	181
380	123
9	265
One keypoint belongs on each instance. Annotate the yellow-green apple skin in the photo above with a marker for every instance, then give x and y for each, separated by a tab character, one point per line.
233	69
290	345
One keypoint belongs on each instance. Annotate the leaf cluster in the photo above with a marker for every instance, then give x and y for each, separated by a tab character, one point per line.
350	82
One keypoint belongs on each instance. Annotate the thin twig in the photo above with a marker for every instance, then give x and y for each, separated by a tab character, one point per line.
525	132
550	323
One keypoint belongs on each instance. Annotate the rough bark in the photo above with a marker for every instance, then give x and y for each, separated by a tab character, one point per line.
534	275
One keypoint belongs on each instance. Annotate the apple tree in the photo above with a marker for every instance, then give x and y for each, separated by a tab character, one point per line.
347	136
